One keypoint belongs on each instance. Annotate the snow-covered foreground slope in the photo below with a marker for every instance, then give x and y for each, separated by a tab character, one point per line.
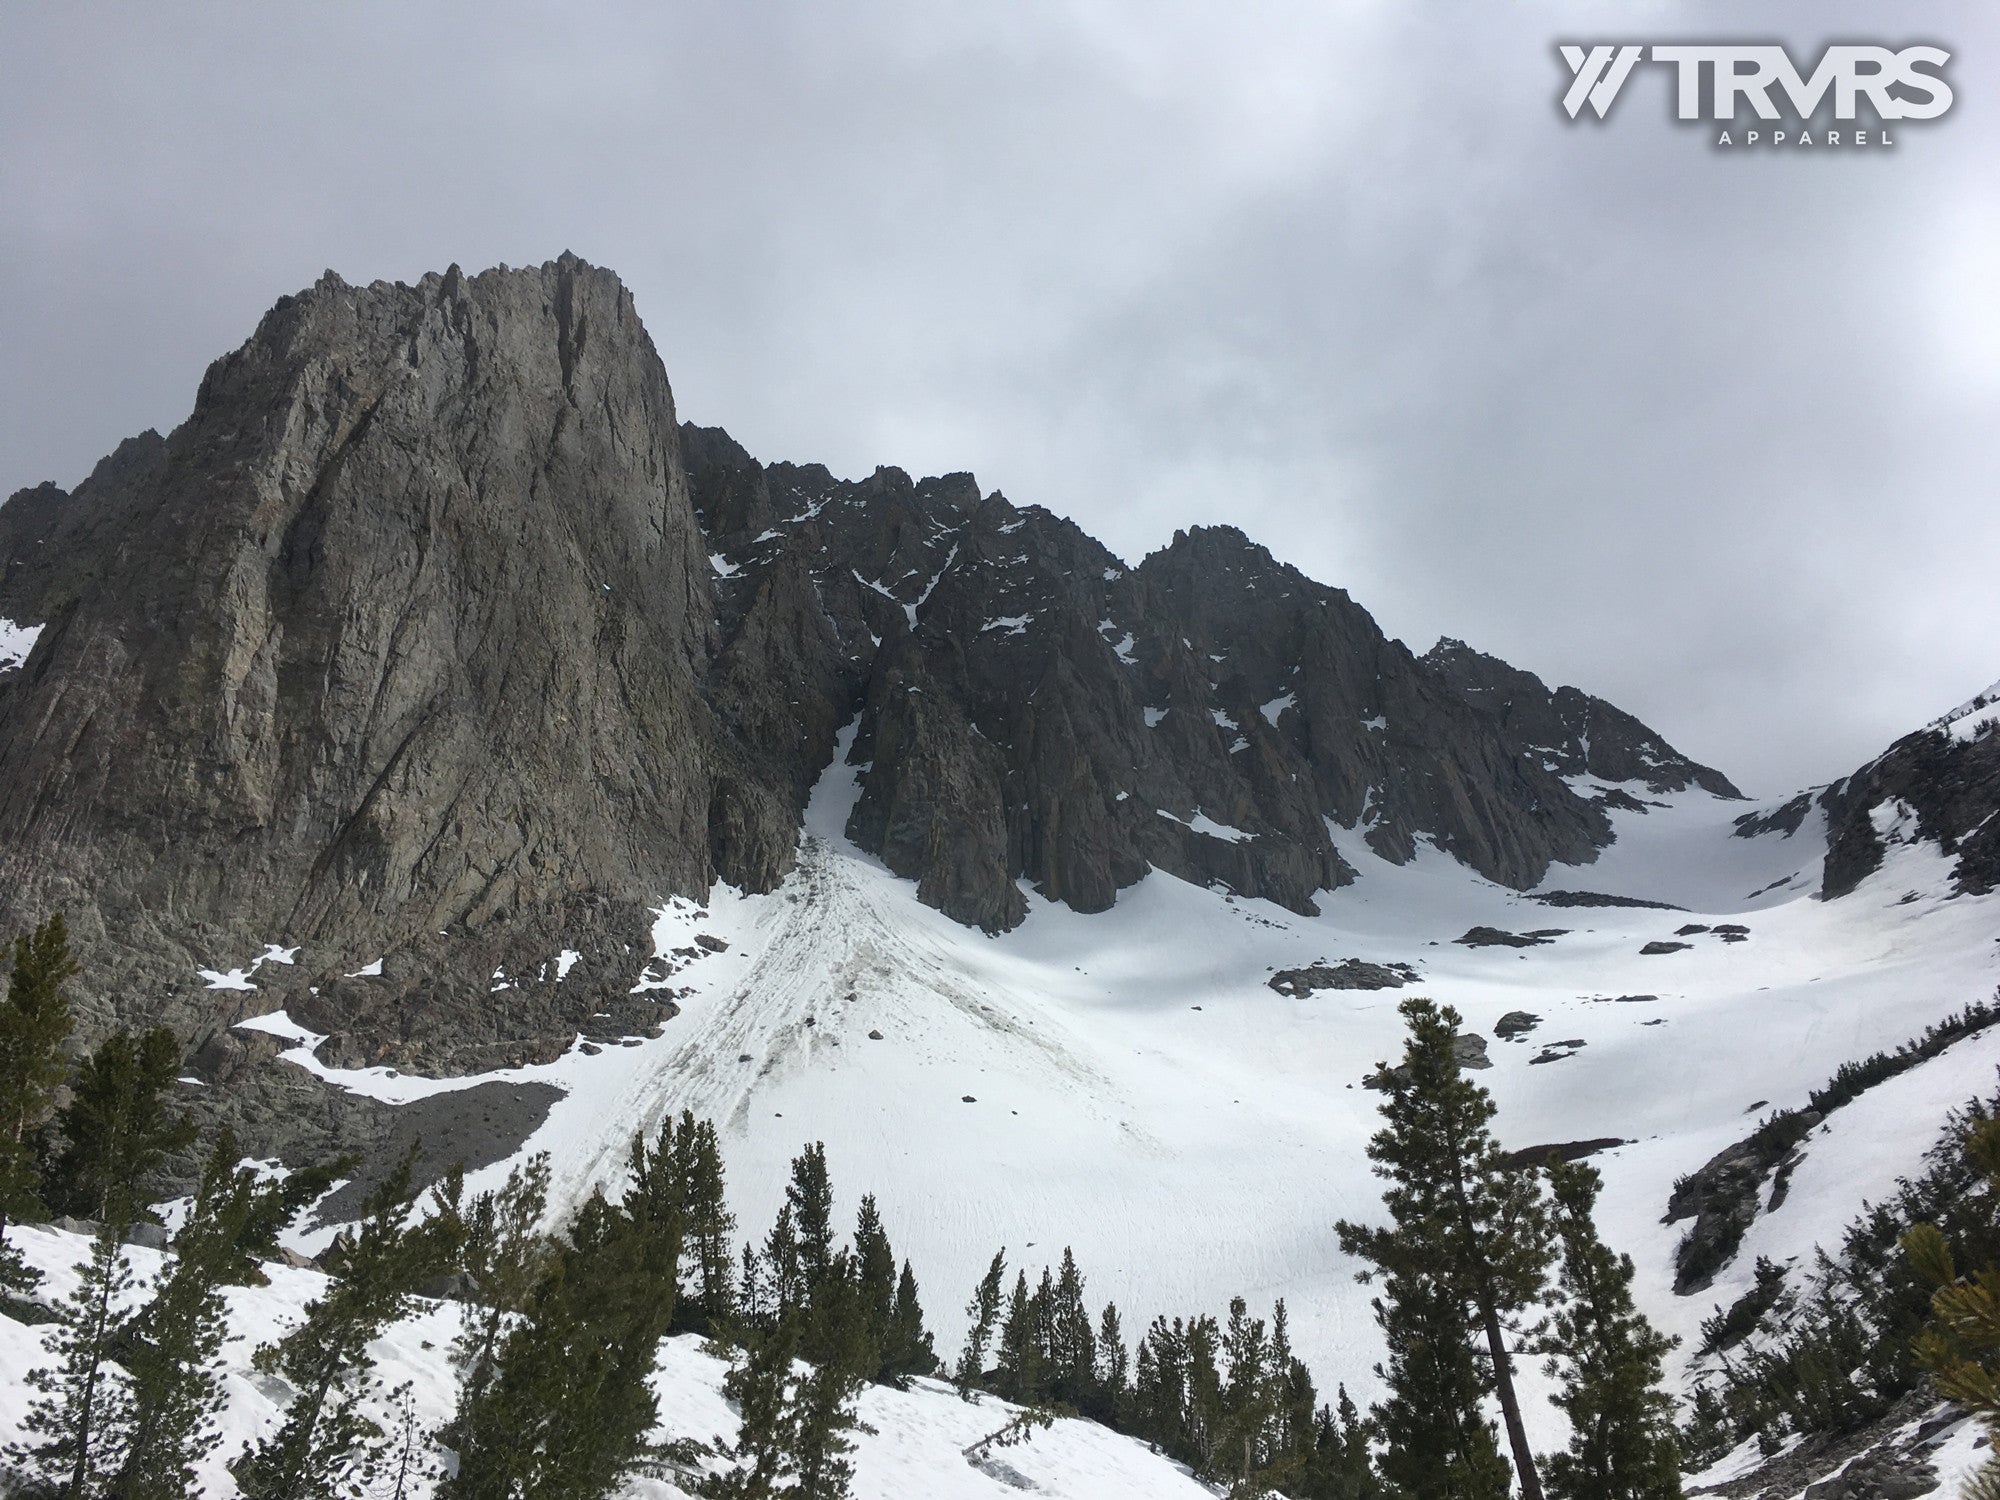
917	1447
1128	1084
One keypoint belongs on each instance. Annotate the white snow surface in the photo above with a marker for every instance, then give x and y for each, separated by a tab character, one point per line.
1143	1096
1201	822
16	641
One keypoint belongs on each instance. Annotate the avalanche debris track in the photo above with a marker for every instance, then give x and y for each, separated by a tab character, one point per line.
1138	1090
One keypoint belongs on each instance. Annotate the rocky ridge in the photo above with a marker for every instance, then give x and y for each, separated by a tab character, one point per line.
434	645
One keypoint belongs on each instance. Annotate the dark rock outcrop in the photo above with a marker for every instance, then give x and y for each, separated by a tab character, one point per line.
1348	974
1567	731
1599	898
1950	785
1495	937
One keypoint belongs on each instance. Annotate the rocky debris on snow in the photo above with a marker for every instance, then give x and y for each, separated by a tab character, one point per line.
710	942
1877	1476
1494	937
1535	1156
1886	1459
1599	898
1348	974
967	1099
1557	1051
1515	1025
1659	946
874	1036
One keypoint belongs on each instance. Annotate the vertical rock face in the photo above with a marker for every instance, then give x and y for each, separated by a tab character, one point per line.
401	632
433	637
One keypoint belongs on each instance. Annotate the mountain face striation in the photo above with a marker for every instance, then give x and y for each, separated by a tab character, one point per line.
432	650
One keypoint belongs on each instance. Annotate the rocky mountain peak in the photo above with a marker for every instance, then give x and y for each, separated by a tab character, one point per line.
1566	730
433	637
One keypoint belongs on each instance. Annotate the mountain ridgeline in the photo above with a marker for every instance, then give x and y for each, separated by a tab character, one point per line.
433	637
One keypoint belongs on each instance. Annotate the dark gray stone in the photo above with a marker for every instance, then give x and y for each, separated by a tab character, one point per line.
1348	974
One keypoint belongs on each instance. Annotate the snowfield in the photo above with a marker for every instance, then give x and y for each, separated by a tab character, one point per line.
1128	1084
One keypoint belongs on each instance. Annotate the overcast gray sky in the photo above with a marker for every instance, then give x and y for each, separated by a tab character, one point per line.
1711	434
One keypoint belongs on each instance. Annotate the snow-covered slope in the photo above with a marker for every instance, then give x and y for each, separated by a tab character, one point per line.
1128	1083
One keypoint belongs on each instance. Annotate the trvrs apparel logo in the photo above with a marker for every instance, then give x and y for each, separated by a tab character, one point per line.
1896	85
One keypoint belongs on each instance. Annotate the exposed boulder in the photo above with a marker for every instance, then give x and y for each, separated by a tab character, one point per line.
1348	974
1494	937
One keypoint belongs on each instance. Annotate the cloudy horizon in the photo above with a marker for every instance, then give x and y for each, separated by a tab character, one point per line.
1707	433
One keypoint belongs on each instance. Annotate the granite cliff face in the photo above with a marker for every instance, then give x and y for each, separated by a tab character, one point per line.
432	637
393	648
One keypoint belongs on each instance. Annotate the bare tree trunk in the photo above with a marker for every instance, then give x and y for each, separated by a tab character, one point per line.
1510	1406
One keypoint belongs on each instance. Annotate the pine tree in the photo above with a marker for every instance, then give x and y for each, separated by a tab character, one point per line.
760	1384
753	1309
1204	1396
784	1277
1342	1466
709	1227
1466	1231
1436	1440
1072	1341
568	1414
34	1022
875	1266
838	1342
1293	1433
504	1259
809	1195
172	1348
1113	1369
1020	1347
910	1351
375	1269
83	1410
981	1313
1249	1408
1960	1344
1608	1359
795	1424
118	1126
